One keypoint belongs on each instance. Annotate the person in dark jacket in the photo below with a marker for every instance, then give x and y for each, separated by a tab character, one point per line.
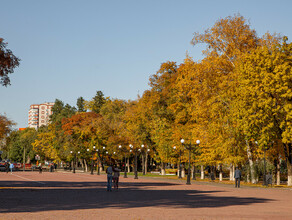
237	176
7	167
40	168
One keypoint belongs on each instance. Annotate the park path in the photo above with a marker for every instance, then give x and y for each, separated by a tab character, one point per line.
59	195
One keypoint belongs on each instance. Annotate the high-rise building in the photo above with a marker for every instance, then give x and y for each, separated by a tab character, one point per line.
39	114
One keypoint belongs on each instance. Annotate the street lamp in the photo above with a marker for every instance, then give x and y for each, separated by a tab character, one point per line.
92	153
190	148
125	154
99	160
73	160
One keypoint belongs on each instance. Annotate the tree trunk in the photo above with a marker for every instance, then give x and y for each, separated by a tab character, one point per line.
202	172
183	172
163	169
249	156
248	178
28	160
85	165
143	164
213	173
278	174
128	165
221	173
289	168
81	162
231	172
146	163
193	172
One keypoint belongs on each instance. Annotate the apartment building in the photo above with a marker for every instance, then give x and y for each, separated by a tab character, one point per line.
39	114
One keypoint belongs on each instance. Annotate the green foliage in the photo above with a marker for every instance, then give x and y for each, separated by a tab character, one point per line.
19	142
81	104
8	62
97	102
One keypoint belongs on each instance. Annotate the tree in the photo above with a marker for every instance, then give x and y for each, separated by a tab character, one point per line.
85	130
8	62
96	103
265	92
45	145
226	41
81	104
19	145
61	111
5	126
157	117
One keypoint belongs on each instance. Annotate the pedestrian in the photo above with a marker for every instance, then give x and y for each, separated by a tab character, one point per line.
40	168
237	176
7	167
109	172
51	168
11	166
116	177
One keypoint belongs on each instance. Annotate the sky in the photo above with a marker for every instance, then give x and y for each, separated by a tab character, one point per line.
74	48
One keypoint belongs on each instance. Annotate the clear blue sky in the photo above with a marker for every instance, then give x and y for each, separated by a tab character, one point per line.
73	48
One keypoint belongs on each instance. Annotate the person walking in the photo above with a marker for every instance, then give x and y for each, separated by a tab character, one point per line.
40	168
109	172
116	177
7	167
11	166
237	176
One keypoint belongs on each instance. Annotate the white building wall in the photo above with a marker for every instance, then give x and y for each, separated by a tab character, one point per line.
39	114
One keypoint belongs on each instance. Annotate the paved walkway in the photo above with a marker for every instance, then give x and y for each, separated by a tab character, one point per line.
30	195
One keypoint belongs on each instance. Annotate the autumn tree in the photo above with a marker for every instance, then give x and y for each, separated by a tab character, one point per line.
8	62
226	41
265	94
84	130
46	144
157	115
5	126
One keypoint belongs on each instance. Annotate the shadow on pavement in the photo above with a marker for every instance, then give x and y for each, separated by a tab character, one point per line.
93	195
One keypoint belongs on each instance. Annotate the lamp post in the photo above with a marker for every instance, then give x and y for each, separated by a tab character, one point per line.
23	158
99	160
125	154
135	166
190	148
146	161
179	168
73	160
92	153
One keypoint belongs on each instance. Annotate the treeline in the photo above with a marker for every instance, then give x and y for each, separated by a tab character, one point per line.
237	101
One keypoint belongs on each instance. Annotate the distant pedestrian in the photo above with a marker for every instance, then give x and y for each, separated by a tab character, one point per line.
237	176
11	166
51	168
7	167
116	177
109	172
40	168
